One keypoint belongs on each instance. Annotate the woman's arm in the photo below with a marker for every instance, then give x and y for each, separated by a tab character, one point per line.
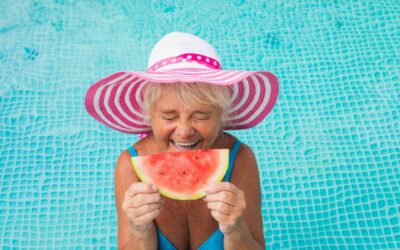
137	205
237	205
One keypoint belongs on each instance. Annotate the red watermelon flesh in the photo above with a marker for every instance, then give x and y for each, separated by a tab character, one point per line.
183	175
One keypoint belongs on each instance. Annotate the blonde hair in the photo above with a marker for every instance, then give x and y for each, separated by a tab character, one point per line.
189	93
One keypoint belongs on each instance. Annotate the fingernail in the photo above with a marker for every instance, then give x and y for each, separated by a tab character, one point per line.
154	187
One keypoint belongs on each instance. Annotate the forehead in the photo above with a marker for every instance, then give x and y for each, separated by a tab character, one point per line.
170	101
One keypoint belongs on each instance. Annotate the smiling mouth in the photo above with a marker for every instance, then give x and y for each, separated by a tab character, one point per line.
185	145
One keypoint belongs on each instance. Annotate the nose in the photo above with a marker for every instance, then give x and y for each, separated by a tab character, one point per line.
184	129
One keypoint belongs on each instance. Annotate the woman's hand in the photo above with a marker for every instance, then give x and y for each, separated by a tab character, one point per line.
227	204
142	204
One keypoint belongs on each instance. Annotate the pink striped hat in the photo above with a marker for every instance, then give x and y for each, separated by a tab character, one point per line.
117	100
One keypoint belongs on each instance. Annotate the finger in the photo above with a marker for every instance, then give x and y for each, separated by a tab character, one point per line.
224	196
222	186
220	207
141	187
220	217
145	209
137	207
147	217
144	199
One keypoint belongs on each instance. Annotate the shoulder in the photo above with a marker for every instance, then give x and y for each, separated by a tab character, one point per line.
124	173
245	155
124	161
245	169
147	145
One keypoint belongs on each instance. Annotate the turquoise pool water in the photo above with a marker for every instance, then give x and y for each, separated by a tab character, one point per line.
329	153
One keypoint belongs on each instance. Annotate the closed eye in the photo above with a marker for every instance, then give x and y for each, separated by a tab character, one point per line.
201	117
169	118
169	115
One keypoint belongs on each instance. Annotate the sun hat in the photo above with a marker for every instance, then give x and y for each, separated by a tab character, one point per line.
117	100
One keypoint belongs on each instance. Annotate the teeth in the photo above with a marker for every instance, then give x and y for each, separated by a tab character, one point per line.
183	144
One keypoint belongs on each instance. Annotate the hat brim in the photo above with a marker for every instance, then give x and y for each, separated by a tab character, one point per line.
117	100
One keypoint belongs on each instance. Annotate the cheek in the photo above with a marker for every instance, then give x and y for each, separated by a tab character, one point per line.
209	130
162	130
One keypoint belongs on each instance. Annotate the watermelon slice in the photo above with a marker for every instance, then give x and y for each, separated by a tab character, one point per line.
182	175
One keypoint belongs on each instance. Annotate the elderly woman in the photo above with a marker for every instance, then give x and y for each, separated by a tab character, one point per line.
185	101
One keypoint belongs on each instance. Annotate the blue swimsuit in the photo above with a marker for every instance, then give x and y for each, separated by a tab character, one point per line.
216	240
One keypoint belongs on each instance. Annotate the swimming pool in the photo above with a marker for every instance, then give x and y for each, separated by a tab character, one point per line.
329	153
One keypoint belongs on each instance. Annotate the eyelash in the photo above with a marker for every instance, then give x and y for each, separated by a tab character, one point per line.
195	118
201	118
169	118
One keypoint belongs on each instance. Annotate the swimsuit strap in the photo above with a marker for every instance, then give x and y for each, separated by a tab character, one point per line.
132	151
232	156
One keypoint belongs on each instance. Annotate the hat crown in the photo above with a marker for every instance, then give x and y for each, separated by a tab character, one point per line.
171	52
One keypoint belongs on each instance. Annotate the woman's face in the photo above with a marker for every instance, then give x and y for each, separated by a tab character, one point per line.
178	127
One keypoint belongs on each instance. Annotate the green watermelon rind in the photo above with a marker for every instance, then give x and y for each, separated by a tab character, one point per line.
217	177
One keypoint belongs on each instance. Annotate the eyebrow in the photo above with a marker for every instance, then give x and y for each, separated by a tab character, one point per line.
194	112
167	111
202	112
